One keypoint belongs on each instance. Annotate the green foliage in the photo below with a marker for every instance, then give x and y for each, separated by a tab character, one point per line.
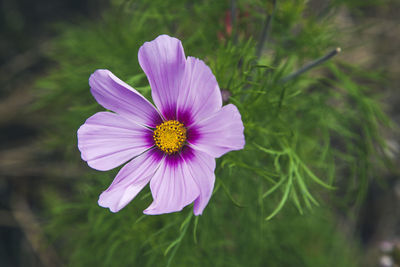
309	141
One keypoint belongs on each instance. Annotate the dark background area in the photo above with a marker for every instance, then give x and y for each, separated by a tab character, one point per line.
26	29
26	168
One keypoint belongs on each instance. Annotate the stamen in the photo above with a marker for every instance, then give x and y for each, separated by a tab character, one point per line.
170	136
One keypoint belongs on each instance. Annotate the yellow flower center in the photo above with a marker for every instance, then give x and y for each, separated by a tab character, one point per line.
170	136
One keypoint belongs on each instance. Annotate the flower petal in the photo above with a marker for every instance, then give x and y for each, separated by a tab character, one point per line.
130	180
163	61
199	94
218	134
106	140
172	187
113	94
201	167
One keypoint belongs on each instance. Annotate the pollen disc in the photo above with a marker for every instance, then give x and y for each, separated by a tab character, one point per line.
170	136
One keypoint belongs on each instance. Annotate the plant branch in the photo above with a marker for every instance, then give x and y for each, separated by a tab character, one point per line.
311	65
233	21
265	30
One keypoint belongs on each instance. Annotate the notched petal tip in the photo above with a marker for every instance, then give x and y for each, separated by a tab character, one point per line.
102	202
198	213
101	75
78	136
95	166
155	211
83	152
163	38
237	118
97	73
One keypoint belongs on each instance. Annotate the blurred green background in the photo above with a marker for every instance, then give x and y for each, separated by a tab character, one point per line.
316	185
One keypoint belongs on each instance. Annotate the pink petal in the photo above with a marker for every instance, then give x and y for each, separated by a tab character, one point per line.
106	140
199	94
172	187
163	61
115	95
218	134
130	180
201	167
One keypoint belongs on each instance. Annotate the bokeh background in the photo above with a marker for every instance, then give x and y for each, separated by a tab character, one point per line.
48	210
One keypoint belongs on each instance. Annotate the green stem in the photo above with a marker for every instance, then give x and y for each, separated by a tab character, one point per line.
233	21
311	65
265	30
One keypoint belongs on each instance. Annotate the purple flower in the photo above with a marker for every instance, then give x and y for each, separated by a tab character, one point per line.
173	146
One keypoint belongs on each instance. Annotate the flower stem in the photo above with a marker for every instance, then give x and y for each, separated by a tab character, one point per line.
311	65
233	21
265	30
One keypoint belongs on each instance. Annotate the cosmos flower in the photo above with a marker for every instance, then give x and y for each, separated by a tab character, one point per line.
172	146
